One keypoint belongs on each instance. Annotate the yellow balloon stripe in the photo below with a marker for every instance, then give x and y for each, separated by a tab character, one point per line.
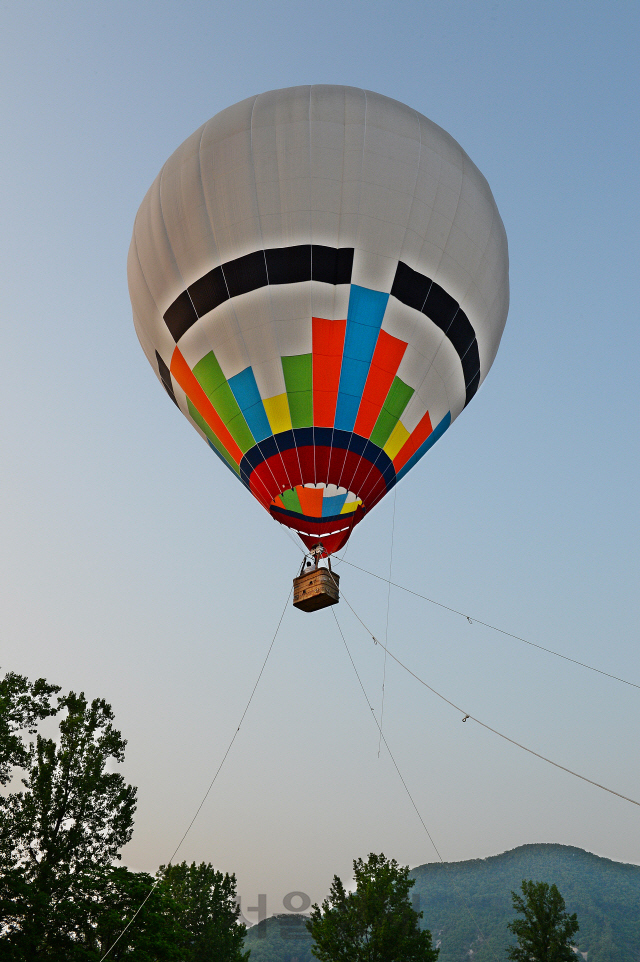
277	409
397	439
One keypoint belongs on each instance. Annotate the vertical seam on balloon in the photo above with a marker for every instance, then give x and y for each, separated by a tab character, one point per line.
453	220
141	268
146	283
333	311
415	396
428	222
416	393
266	268
232	305
355	248
415	184
426	297
494	211
364	140
455	213
255	191
413	200
204	199
433	281
442	341
355	242
164	224
439	376
277	338
311	289
293	431
172	252
344	152
413	197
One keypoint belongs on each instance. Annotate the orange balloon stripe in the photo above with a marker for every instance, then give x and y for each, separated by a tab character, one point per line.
384	367
327	345
311	501
413	442
185	377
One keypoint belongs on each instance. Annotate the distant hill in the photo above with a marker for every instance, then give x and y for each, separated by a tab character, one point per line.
282	938
605	895
467	906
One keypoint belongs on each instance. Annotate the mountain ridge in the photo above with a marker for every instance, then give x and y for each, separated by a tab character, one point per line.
467	906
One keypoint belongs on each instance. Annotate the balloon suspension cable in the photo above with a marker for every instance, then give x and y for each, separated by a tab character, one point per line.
206	794
406	787
311	559
386	630
485	624
467	716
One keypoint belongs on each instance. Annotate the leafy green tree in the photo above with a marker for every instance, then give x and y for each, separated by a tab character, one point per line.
61	895
113	897
69	820
22	705
376	922
205	902
546	931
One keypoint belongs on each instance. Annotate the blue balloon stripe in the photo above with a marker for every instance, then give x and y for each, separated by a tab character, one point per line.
364	320
333	506
245	391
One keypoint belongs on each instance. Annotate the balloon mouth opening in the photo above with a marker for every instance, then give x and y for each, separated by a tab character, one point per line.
313	502
319	513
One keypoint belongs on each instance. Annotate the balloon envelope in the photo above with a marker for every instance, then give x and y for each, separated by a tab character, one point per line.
319	278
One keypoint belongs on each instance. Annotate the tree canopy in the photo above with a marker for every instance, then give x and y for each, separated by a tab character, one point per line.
205	903
376	922
62	893
71	817
22	705
545	933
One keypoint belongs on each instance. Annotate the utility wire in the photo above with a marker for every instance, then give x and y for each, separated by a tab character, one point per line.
473	620
211	784
386	745
386	630
467	716
400	775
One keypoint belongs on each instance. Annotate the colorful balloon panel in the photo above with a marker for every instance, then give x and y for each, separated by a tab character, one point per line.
319	277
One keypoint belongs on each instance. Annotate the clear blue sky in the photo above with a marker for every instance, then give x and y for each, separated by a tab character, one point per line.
135	569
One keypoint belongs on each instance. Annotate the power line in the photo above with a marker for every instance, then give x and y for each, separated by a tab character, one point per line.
468	716
211	784
473	620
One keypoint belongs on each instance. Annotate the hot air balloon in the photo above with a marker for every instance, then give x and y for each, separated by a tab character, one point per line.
319	279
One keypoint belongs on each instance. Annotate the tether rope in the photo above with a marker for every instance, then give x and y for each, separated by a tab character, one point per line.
467	715
386	630
476	621
401	777
211	784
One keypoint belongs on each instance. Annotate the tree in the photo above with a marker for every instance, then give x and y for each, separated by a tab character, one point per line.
376	922
62	894
205	902
22	705
545	933
114	896
70	820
